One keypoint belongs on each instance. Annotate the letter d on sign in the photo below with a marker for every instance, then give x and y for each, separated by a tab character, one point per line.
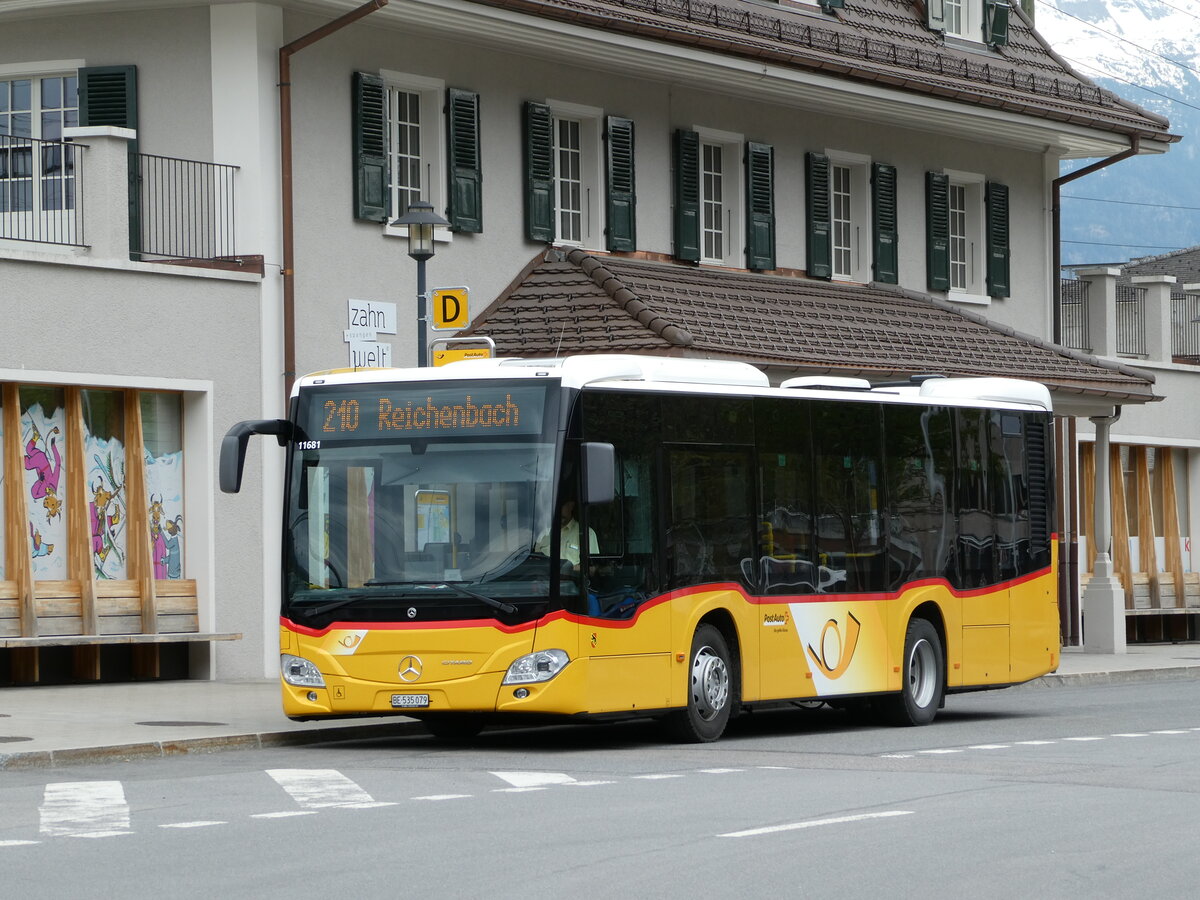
450	309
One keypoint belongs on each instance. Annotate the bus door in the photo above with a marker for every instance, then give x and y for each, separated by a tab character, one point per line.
981	536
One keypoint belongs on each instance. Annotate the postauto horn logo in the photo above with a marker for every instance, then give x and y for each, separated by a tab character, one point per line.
834	657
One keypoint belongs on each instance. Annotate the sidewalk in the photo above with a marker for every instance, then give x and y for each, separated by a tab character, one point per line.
50	726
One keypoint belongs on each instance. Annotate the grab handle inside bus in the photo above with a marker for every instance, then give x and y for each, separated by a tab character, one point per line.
599	472
233	448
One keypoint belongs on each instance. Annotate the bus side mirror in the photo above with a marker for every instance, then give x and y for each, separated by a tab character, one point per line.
233	448
599	472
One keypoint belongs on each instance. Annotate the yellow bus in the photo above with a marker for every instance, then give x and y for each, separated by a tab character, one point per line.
615	536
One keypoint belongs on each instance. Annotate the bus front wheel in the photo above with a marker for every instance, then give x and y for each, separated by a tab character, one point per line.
924	677
710	689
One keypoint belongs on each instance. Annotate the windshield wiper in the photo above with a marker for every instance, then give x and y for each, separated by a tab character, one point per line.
414	588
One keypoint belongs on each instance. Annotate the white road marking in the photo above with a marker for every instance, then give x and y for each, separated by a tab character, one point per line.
1084	739
320	788
444	797
590	783
191	824
284	815
897	756
18	843
516	790
658	777
1035	743
815	823
1131	734
720	771
534	779
989	747
943	750
84	809
1169	731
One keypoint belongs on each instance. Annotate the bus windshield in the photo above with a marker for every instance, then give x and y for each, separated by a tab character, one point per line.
411	501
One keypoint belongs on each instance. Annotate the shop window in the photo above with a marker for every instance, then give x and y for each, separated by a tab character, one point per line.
104	461
43	439
162	435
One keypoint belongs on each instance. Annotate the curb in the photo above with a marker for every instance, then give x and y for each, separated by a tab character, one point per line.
39	759
1120	676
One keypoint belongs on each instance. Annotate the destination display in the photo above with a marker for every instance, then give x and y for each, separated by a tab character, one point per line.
358	412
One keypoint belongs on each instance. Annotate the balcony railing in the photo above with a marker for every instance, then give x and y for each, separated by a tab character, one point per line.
1185	329
186	207
1131	320
41	191
1076	331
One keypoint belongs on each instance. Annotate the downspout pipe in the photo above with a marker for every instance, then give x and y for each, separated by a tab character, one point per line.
285	154
1068	575
1056	222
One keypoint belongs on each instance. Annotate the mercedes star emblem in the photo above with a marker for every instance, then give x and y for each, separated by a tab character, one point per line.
412	612
410	668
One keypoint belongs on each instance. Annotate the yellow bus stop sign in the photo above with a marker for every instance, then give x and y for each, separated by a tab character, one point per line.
450	308
441	357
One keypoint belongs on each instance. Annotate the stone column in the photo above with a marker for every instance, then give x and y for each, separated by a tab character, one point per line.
1102	308
1104	596
103	189
1157	312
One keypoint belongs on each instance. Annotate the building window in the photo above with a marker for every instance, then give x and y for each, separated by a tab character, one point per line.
568	180
966	233
416	156
712	174
959	18
37	171
849	215
720	197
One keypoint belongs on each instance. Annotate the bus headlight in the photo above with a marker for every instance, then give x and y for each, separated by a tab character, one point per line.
535	667
299	671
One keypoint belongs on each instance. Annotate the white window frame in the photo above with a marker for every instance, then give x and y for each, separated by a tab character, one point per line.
34	72
858	241
973	237
969	15
590	120
432	93
732	199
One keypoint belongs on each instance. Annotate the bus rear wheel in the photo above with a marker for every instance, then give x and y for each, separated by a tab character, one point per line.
710	689
923	672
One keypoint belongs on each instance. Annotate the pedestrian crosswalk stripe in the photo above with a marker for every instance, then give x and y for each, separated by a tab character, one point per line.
534	779
191	824
318	788
84	809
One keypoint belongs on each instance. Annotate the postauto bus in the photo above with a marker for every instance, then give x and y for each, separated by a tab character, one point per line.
616	536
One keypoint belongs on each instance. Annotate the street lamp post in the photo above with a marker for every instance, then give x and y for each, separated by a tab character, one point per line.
421	220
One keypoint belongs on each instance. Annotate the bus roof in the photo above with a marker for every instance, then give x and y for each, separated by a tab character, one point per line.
632	371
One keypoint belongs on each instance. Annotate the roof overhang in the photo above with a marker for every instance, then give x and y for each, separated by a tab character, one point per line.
481	25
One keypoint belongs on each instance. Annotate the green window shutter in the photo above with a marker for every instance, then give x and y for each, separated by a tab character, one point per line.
621	213
995	22
885	256
935	15
372	195
760	206
465	209
539	172
819	215
687	195
108	96
997	240
937	231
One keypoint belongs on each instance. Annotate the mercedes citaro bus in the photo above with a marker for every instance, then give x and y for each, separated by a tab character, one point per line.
615	536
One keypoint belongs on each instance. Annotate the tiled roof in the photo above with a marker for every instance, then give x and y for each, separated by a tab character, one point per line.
582	302
1183	264
881	41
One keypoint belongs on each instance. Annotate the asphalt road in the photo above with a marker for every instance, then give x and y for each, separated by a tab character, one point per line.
1060	792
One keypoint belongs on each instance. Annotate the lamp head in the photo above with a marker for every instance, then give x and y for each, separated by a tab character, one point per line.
420	220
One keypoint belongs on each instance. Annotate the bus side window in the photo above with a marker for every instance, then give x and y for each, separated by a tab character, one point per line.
976	522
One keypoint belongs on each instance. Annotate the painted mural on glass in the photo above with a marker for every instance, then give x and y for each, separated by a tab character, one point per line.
164	487
106	503
42	435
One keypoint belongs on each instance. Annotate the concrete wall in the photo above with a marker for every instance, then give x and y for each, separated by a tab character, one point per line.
130	328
